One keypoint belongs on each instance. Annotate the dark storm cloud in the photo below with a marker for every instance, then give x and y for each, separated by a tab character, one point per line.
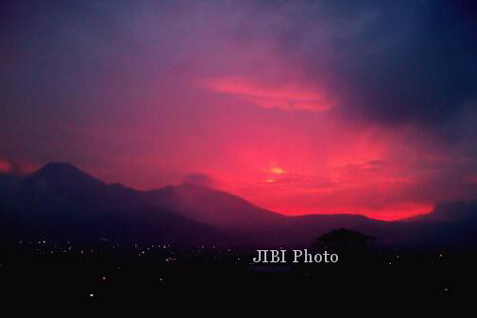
391	62
113	84
428	76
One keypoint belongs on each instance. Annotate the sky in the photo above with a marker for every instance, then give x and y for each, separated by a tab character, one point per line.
362	107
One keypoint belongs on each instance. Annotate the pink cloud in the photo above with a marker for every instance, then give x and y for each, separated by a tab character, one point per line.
282	96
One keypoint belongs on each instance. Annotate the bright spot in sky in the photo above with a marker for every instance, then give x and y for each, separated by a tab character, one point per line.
278	171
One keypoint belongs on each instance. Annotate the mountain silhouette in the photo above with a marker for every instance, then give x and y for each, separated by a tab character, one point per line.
62	174
8	185
60	187
60	200
214	207
65	188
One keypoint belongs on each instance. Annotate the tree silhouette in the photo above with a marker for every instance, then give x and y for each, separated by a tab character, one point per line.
344	241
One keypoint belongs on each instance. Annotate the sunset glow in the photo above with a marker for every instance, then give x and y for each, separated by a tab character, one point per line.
284	105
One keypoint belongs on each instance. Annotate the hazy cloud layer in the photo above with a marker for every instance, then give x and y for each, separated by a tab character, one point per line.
358	103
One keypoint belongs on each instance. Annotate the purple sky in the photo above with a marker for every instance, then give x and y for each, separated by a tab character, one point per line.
302	107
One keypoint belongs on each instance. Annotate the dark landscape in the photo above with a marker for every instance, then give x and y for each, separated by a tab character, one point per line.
155	152
90	241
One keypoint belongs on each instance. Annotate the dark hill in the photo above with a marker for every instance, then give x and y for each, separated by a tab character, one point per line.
213	207
62	200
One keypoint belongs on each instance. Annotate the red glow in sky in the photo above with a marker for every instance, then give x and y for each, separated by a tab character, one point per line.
286	105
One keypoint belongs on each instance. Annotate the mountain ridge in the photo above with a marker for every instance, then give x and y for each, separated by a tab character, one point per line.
62	193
